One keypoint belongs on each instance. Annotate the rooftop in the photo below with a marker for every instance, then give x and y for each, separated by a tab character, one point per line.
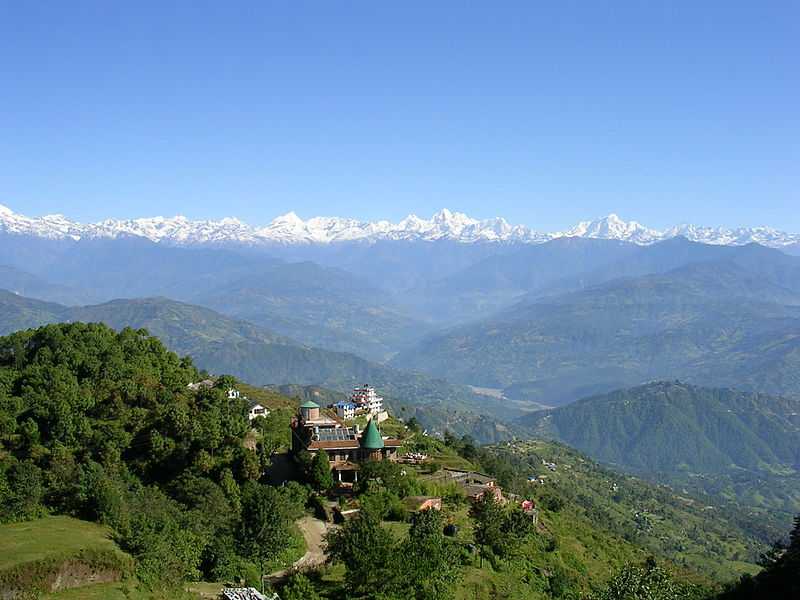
335	434
371	438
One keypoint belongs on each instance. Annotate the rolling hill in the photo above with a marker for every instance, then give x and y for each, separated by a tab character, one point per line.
321	306
671	426
726	444
220	344
318	305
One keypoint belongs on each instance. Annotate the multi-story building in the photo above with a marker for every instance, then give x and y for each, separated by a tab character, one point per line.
347	447
366	400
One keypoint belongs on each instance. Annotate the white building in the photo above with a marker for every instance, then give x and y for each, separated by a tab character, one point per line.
366	400
257	410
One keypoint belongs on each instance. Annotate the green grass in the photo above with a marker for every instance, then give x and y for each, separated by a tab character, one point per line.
35	540
266	397
118	591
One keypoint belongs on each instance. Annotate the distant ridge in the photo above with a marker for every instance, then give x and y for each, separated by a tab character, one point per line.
444	225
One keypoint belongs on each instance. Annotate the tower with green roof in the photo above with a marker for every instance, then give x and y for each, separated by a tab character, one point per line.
309	410
371	441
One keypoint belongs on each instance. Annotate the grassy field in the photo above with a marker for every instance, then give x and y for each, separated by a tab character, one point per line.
117	591
269	398
34	540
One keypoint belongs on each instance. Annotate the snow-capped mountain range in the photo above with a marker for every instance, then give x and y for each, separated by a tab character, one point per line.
444	225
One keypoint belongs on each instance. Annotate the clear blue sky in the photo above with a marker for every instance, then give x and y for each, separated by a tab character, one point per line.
545	113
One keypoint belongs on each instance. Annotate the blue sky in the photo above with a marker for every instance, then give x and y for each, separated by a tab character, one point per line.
545	113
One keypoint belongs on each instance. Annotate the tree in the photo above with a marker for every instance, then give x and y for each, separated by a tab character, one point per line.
320	476
516	527
413	425
390	475
299	587
365	549
264	529
646	582
489	520
431	563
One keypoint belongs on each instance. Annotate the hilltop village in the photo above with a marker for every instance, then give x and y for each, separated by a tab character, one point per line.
348	446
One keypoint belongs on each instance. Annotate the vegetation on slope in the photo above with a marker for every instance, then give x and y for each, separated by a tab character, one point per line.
693	536
726	444
224	345
101	425
54	553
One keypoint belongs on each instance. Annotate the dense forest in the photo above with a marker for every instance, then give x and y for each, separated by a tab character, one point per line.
101	425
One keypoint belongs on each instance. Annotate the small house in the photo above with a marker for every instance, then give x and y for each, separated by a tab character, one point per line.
257	410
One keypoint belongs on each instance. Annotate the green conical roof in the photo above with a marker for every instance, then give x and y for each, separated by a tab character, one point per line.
371	438
309	404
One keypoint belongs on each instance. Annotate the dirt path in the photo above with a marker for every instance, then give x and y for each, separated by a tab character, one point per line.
313	531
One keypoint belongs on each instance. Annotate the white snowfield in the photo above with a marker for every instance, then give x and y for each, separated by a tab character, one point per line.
444	225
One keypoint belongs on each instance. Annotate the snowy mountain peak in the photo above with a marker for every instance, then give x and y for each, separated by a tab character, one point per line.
443	225
612	227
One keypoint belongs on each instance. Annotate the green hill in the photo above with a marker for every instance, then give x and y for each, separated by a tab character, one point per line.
578	495
221	344
731	446
320	306
58	553
670	426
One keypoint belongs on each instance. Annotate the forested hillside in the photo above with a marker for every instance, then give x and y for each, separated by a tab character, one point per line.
670	426
101	425
220	344
732	447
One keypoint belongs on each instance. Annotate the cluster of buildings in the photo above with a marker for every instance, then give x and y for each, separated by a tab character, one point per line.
363	401
254	409
347	447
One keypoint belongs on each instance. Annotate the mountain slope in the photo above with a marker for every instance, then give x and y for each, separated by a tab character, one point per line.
734	447
317	305
729	323
670	426
223	345
26	284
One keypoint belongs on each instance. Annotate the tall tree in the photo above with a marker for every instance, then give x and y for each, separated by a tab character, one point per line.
430	561
264	530
320	476
366	551
489	519
299	587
